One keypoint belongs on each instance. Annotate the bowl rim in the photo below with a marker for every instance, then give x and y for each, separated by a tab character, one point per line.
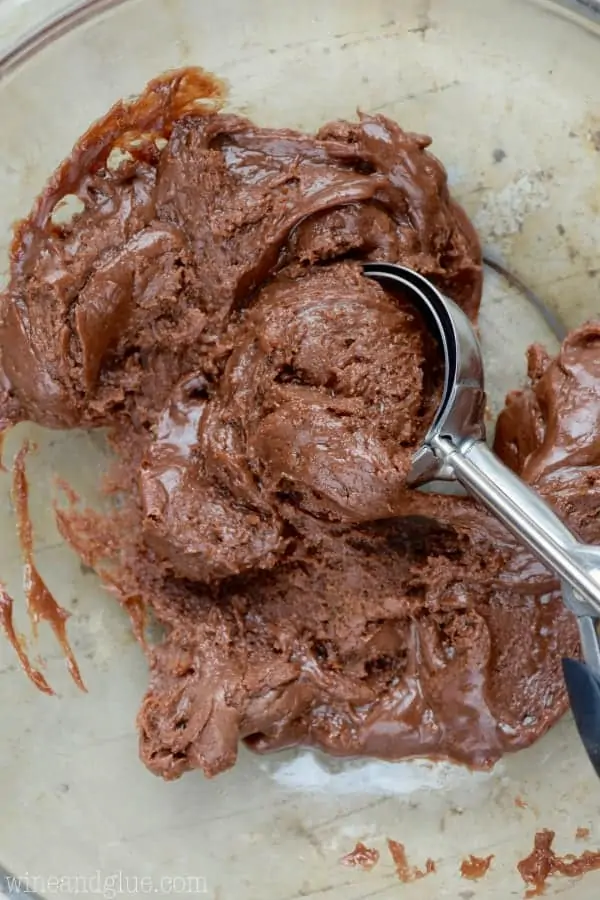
64	20
74	14
51	28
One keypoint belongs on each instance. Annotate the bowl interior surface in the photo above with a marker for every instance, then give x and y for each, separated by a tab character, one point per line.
508	92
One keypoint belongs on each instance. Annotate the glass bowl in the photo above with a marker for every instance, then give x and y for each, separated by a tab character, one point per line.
508	91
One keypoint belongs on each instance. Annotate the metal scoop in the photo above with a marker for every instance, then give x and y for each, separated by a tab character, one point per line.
455	449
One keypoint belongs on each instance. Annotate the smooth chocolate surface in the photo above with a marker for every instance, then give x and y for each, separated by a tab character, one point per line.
265	399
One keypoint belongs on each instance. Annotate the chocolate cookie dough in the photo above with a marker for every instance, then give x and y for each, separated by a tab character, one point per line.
316	413
206	304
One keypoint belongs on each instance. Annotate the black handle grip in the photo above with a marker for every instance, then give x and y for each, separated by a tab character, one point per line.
583	687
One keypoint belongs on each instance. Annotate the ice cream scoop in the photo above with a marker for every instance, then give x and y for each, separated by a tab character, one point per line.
454	448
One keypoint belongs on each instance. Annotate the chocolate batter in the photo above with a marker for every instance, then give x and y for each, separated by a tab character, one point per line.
405	872
264	399
41	605
475	867
543	863
8	627
365	857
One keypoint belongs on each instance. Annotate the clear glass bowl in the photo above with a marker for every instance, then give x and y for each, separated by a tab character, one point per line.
508	90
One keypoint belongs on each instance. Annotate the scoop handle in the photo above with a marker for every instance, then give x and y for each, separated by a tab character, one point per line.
529	518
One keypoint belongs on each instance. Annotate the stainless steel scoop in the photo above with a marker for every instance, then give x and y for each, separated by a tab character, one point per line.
455	449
